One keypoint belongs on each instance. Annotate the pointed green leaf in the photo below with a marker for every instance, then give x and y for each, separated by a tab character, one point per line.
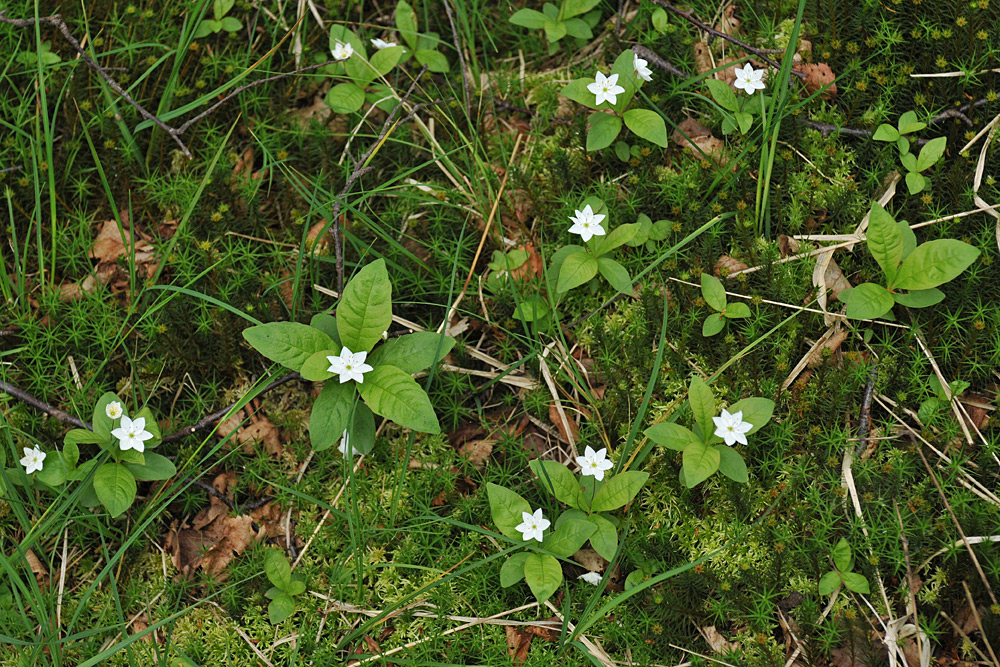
576	90
512	571
885	240
647	124
327	324
406	23
365	309
576	270
702	402
935	263
712	325
331	413
931	152
280	608
604	129
616	238
315	368
103	424
829	583
723	94
605	537
414	352
915	182
554	30
506	508
671	436
278	569
841	554
920	298
615	274
700	462
578	28
154	467
115	487
287	343
543	574
568	537
885	133
383	60
855	582
867	301
529	18
756	411
908	123
731	464
713	292
558	480
576	7
395	395
737	310
79	436
618	491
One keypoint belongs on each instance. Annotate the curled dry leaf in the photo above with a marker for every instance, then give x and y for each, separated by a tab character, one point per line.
533	267
819	76
260	430
715	639
566	426
518	643
590	560
728	266
318	238
697	138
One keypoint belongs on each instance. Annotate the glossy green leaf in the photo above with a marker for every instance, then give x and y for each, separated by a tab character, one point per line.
331	413
885	132
756	411
395	395
568	537
915	182
315	368
365	309
931	152
558	480
619	490
934	263
713	292
920	298
154	467
738	310
278	569
406	23
543	574
723	94
908	123
713	324
616	238
605	537
671	436
604	129
383	60
102	423
287	343
616	274
327	324
506	508
529	18
829	583
414	352
647	124
576	90
700	462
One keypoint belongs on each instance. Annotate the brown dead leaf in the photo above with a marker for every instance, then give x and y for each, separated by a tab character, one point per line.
543	632
978	407
729	24
819	75
243	168
215	537
260	430
518	643
718	643
521	204
727	266
112	243
788	246
697	138
533	267
101	276
563	425
318	238
140	624
833	343
37	568
590	560
477	452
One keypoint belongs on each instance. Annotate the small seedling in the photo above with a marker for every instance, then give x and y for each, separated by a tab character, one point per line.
45	52
285	586
906	266
932	406
841	575
715	296
423	45
571	17
703	448
574	265
337	349
610	97
740	116
220	22
929	154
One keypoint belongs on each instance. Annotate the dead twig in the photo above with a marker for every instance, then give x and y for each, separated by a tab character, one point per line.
689	17
42	406
654	58
866	411
461	60
958	113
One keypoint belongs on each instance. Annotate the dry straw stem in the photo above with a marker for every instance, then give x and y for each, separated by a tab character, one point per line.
979	622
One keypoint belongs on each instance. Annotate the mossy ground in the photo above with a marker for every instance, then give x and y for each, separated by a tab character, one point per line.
236	231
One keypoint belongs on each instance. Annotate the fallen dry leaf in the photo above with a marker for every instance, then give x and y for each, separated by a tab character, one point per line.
718	643
215	537
260	430
566	427
112	243
318	238
833	343
39	570
728	265
697	138
518	643
590	560
543	632
533	267
477	452
818	76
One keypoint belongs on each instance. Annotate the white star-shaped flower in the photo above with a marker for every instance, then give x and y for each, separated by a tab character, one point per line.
586	223
533	525
113	410
605	88
749	79
594	463
731	427
345	447
342	51
349	365
382	44
641	70
593	578
33	458
132	434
